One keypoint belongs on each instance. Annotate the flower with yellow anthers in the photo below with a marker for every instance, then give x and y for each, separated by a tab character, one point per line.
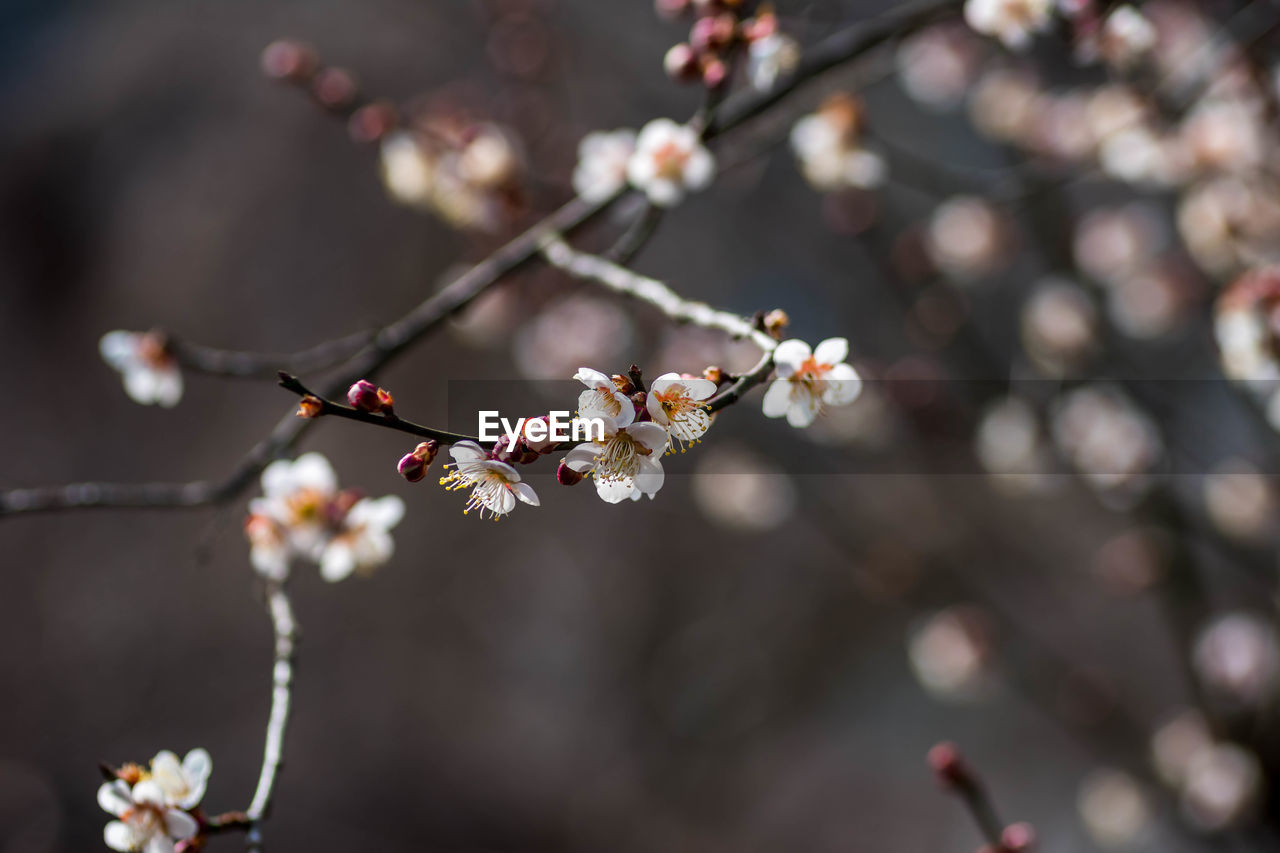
144	823
676	403
810	380
495	486
602	397
626	463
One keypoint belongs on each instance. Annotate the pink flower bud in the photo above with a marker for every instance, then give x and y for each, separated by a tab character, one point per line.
289	60
334	88
1018	838
715	73
566	476
412	468
948	765
681	63
367	397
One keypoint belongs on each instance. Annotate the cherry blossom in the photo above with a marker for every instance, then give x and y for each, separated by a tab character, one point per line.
675	402
150	372
182	783
808	380
145	823
669	161
495	486
602	163
1014	22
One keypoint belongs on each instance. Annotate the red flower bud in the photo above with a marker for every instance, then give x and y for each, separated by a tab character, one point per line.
289	60
413	466
367	397
566	476
681	63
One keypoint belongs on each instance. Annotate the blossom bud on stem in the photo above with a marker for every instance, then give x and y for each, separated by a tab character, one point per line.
367	397
954	773
566	476
413	466
310	406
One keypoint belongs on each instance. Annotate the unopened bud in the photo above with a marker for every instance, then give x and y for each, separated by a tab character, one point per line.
372	122
310	407
681	63
1018	838
289	60
712	33
761	26
623	384
776	322
334	88
948	765
566	476
131	773
367	397
715	73
713	374
411	468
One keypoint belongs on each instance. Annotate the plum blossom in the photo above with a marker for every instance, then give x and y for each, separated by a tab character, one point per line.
626	463
808	380
150	372
669	161
495	486
145	823
182	783
602	163
364	542
1014	22
828	146
302	513
675	402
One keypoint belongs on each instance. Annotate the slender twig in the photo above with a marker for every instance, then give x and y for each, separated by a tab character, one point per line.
199	358
638	233
285	629
389	421
957	776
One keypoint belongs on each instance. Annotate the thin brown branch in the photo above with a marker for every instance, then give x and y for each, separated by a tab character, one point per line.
388	421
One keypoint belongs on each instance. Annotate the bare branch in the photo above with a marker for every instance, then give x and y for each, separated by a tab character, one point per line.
285	629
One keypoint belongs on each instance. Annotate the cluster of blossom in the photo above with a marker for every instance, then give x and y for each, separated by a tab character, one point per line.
665	161
719	31
638	427
150	372
828	146
469	173
157	809
303	514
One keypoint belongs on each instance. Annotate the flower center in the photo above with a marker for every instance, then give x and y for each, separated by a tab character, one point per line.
669	160
620	459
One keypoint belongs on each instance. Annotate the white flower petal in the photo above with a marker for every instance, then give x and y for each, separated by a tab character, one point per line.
313	471
593	378
114	797
119	836
141	384
337	562
525	492
168	387
663	192
148	792
583	457
700	169
777	399
652	436
789	355
805	408
180	825
651	477
614	491
842	386
383	513
159	844
831	351
119	349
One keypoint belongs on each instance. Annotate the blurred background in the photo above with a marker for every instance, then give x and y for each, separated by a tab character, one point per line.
987	547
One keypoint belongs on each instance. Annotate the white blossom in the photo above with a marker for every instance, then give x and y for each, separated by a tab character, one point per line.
626	463
771	57
669	161
150	372
830	155
183	783
303	514
364	542
602	163
1014	22
675	402
144	823
809	380
495	486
